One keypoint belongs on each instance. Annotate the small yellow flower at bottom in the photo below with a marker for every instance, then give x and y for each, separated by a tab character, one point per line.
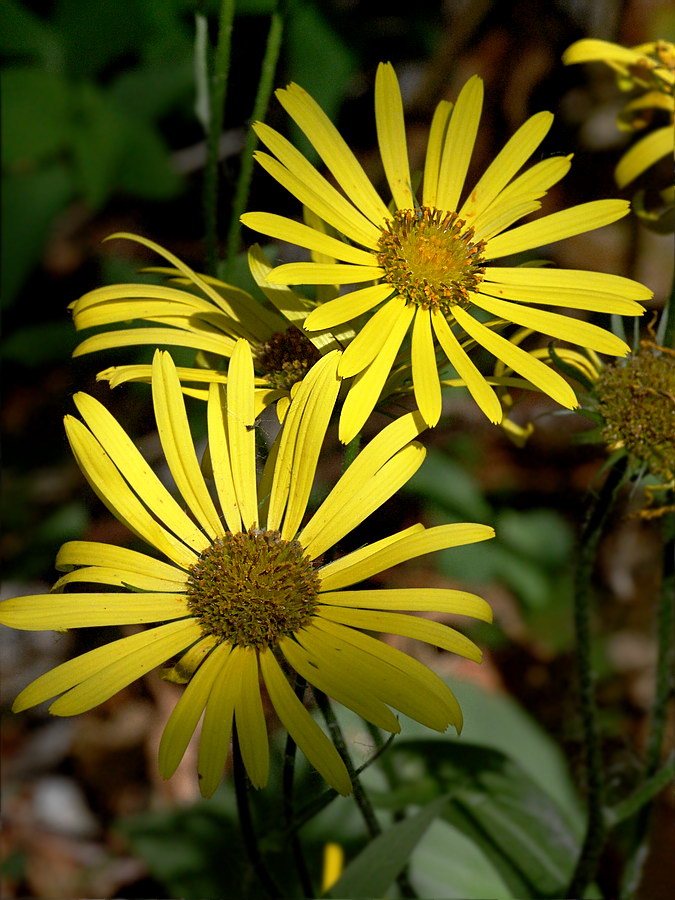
244	595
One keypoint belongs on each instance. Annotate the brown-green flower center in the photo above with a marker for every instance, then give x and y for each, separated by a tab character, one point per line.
286	357
430	258
636	398
252	588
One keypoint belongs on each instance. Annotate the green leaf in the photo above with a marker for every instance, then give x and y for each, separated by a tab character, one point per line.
41	342
96	33
99	132
149	92
495	803
446	483
35	115
540	535
145	165
29	205
374	869
23	34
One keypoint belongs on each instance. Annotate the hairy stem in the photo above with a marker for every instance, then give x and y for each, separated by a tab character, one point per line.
288	804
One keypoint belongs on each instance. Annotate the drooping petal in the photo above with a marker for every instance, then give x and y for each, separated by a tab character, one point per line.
568	279
186	713
459	143
367	387
347	307
571	297
301	726
565	328
343	685
323	273
214	742
443	600
647	151
371	338
94	553
556	226
426	385
391	136
478	387
520	361
219	344
358	566
160	644
250	719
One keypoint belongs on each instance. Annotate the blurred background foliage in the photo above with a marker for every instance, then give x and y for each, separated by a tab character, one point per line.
102	133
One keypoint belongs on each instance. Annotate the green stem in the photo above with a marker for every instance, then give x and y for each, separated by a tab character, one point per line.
365	807
663	687
268	69
669	312
246	822
217	94
288	805
351	452
595	827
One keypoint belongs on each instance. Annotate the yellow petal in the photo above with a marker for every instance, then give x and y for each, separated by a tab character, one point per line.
56	612
557	226
131	337
250	718
508	161
367	386
478	387
371	338
177	444
376	491
425	372
159	646
119	577
409	626
241	431
418	675
459	603
368	462
111	488
322	273
301	726
87	553
647	151
214	741
333	150
527	365
219	452
565	328
432	164
459	143
391	136
545	290
358	566
343	685
186	713
301	179
284	229
347	307
592	50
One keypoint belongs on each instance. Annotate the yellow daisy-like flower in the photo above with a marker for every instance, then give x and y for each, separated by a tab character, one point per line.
210	322
246	593
650	70
432	265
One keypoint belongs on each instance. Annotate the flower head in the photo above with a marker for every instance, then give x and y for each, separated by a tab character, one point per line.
209	318
245	592
430	264
648	71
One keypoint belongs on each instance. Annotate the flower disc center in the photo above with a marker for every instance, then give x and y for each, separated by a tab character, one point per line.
430	258
252	588
286	357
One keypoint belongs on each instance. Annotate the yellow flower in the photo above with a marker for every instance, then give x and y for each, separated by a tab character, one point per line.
245	593
431	265
210	322
648	69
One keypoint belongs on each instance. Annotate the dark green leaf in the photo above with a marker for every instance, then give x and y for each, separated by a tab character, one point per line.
29	205
494	801
151	91
35	115
99	134
448	484
42	342
96	33
23	34
145	165
376	867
